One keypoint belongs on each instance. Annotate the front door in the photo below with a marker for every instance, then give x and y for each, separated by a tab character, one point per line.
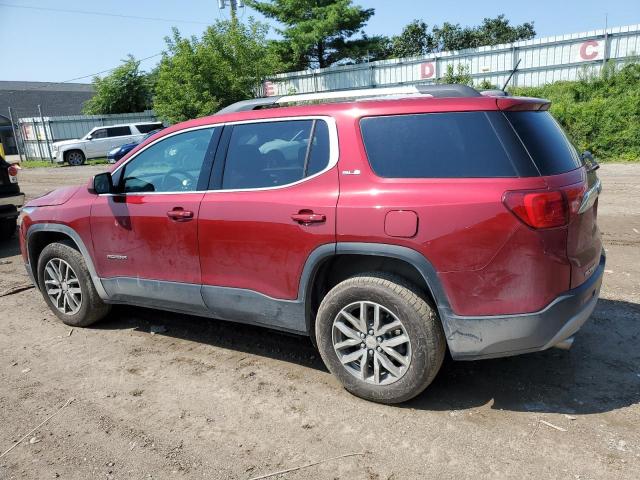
145	236
98	143
270	207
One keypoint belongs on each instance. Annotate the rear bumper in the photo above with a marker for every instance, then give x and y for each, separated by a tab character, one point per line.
472	338
10	205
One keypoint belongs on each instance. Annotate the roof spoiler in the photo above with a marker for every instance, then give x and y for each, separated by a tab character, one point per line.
515	104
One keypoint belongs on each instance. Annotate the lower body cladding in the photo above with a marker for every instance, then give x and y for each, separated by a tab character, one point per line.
223	303
472	338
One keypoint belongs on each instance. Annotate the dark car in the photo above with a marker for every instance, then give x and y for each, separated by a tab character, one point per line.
117	153
389	230
11	198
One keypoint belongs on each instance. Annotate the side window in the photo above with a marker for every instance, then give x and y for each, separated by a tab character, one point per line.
174	164
275	153
118	131
101	133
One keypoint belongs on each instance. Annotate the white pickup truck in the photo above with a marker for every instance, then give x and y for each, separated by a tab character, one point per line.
99	141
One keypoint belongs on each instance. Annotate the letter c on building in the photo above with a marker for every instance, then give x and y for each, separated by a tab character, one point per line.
588	50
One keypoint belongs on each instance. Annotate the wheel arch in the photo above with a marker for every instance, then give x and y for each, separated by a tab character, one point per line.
42	234
350	258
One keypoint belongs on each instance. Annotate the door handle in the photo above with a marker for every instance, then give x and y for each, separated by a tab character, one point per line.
178	214
307	217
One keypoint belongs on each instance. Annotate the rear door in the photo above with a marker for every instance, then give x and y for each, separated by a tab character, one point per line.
561	165
118	136
272	202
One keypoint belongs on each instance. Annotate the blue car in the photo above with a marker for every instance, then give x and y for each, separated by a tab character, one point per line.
117	153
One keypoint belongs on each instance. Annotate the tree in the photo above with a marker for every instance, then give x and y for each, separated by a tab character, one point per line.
318	33
125	90
198	76
414	40
492	31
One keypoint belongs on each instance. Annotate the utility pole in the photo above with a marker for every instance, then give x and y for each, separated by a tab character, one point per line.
233	6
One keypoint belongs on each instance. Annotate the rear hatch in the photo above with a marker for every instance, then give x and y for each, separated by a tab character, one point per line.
566	172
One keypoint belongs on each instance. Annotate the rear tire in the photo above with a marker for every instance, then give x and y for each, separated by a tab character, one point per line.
408	343
66	285
75	158
8	228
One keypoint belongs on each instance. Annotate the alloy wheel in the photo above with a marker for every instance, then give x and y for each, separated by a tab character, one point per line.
75	159
371	343
62	286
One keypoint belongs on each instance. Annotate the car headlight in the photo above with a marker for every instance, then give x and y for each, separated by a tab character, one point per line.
114	151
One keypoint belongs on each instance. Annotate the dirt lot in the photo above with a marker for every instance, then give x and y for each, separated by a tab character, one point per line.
209	399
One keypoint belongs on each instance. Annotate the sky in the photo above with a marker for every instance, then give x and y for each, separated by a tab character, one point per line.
56	46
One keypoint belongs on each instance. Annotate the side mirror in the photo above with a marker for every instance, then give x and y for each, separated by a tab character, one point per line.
89	137
102	183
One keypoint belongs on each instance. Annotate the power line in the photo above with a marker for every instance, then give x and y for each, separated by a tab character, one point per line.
108	69
103	14
46	84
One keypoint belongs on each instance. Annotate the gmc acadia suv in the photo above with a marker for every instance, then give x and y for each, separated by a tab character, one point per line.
388	226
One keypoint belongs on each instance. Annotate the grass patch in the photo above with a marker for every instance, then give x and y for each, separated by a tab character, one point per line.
48	164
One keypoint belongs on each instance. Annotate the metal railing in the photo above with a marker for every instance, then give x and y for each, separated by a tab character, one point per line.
542	61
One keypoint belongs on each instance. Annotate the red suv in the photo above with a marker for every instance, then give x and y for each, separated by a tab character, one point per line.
388	226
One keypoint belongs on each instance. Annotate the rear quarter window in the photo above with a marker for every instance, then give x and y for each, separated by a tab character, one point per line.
444	145
545	141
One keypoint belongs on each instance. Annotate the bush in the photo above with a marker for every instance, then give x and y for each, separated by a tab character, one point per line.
600	112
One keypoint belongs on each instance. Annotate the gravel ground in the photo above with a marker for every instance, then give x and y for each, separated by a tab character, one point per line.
215	400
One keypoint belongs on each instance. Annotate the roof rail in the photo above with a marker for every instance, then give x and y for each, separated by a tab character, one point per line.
439	91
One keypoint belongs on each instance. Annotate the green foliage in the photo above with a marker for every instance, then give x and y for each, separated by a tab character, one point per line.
486	85
198	76
601	113
492	31
416	38
318	33
125	90
459	75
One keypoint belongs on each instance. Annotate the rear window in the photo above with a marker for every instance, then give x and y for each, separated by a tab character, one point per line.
148	127
444	145
545	141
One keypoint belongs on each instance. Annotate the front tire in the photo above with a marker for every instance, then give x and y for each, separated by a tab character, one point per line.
379	336
66	285
75	158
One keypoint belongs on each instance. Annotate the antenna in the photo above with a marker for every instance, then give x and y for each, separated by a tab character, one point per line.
511	74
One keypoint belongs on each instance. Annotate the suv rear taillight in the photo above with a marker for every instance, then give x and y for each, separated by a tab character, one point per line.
545	208
13	173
